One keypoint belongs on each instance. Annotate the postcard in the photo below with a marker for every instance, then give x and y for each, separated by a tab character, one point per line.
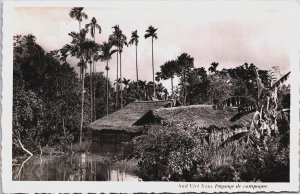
150	96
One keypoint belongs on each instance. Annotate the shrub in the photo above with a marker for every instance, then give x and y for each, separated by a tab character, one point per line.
166	151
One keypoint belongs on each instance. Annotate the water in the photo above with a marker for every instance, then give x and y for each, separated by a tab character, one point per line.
76	167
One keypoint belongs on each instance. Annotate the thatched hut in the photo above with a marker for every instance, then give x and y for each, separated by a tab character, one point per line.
203	116
122	125
130	121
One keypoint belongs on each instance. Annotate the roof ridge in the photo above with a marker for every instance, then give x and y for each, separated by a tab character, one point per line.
152	101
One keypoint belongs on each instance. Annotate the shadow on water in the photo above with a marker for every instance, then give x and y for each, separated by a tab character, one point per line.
76	167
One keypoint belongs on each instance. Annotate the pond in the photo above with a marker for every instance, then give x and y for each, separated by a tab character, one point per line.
75	167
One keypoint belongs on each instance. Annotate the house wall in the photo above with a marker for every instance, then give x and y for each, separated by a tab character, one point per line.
111	136
109	139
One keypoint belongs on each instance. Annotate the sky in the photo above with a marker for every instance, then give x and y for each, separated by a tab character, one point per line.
228	33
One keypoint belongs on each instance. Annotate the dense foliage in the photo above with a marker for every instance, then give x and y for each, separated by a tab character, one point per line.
46	100
182	152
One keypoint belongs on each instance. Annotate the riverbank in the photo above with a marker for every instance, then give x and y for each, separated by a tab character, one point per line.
83	166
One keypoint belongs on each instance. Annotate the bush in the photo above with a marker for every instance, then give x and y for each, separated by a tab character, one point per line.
269	164
166	151
179	153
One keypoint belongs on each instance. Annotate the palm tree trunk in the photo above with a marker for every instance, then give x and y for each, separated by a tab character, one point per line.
172	87
94	89
121	80
82	111
184	89
107	88
94	92
91	90
117	84
137	72
153	70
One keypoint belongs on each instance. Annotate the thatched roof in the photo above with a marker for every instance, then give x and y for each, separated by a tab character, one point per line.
125	118
203	116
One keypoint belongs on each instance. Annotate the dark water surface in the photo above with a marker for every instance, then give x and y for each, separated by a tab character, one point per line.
76	167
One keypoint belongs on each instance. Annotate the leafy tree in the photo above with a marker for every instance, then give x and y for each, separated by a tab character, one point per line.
184	65
47	106
213	67
197	86
168	71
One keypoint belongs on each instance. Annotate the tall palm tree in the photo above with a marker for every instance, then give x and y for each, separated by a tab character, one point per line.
135	40
90	48
92	27
106	54
80	47
107	91
151	32
119	40
78	14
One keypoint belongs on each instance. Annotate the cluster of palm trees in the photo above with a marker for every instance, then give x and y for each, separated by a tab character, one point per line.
88	51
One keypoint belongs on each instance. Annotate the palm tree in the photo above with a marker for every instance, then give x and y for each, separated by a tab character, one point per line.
126	82
106	53
90	47
135	40
92	27
119	40
81	48
74	49
151	32
107	69
78	14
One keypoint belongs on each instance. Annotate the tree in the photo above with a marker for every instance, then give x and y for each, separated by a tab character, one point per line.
126	83
81	48
168	71
90	48
106	54
213	67
184	65
135	40
267	112
45	108
197	87
119	40
151	32
78	14
158	76
92	27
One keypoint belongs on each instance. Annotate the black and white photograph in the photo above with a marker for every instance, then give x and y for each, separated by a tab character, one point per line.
194	95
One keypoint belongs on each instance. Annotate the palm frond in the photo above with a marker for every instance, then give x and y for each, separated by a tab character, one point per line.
280	81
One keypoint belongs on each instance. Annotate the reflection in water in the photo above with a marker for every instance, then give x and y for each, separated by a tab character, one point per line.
77	167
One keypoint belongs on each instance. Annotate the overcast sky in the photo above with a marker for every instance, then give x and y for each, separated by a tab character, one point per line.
228	33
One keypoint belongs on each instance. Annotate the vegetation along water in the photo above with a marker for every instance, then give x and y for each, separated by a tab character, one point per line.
53	105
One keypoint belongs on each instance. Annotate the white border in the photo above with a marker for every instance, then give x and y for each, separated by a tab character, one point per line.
10	186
